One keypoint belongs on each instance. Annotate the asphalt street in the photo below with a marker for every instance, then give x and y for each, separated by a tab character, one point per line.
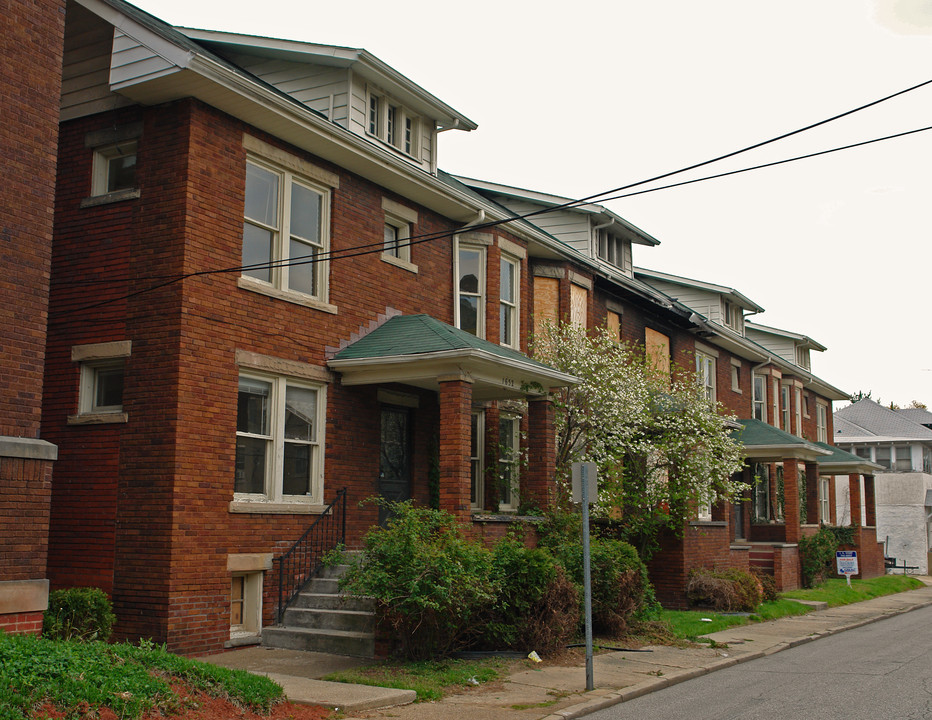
877	672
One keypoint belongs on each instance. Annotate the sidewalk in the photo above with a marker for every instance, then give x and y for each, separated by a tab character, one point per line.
557	692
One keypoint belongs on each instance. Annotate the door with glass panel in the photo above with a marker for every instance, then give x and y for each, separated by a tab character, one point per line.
394	457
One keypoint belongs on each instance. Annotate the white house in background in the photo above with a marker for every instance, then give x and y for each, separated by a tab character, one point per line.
900	441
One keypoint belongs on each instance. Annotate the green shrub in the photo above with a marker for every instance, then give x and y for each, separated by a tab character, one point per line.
724	591
621	591
429	583
817	556
768	585
82	613
536	606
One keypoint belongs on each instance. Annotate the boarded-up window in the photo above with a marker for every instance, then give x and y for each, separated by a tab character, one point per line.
579	306
546	302
613	323
658	350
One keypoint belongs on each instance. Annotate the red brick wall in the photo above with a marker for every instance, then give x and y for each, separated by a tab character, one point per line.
30	89
153	494
30	84
27	623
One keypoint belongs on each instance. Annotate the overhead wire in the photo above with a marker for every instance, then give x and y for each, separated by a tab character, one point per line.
378	247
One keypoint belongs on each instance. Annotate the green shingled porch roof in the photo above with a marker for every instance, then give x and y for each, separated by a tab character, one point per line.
838	455
756	432
419	334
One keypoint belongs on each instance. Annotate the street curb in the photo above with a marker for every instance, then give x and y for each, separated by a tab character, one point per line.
648	686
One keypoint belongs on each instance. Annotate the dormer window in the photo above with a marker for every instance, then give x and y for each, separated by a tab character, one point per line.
613	250
733	316
392	123
802	357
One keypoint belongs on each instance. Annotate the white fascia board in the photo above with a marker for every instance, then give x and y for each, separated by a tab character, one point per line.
152	40
804	340
479	363
778	452
636	235
364	63
728	292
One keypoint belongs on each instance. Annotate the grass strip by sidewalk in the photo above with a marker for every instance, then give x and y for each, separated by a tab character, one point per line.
694	624
431	680
80	678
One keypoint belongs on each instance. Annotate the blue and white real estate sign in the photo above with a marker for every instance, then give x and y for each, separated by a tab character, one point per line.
847	562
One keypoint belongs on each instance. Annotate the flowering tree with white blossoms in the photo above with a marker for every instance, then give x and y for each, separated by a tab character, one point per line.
663	451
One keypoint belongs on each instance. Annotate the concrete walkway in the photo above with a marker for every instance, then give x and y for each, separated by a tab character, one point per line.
557	692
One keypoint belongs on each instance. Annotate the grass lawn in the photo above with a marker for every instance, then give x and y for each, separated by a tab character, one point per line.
431	680
694	624
131	680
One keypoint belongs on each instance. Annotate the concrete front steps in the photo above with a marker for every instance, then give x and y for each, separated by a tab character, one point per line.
322	619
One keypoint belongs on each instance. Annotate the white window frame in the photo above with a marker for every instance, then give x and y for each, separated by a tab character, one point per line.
276	441
95	359
732	316
802	357
464	246
510	459
786	412
775	401
251	624
510	306
825	487
798	398
704	505
477	460
402	219
103	157
279	272
705	374
759	397
821	422
736	375
392	123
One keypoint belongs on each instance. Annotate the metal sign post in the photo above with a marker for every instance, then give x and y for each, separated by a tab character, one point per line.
583	474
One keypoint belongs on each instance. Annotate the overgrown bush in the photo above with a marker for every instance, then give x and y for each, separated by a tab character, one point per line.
536	606
817	556
621	591
768	585
83	613
428	581
724	591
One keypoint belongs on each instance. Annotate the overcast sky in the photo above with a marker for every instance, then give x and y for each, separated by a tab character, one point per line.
575	98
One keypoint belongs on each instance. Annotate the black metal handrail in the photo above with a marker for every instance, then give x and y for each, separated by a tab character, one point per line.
298	566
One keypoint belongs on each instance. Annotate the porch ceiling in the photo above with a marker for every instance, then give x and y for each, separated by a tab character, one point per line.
421	351
764	442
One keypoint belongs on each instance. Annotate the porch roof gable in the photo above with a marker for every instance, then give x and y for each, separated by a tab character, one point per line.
842	462
765	442
420	350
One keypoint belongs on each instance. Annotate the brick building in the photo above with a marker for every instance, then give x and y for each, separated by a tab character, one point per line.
30	79
264	292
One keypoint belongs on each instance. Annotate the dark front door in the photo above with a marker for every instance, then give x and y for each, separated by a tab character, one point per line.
395	460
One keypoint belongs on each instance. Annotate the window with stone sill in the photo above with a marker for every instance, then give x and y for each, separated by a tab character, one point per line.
509	289
279	429
286	230
114	168
100	383
470	288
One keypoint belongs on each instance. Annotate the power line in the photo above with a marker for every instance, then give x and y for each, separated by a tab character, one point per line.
378	247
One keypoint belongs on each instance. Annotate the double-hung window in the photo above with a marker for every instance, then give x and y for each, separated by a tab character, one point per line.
825	487
396	247
785	407
821	422
278	440
508	302
509	445
285	230
114	168
470	289
798	397
476	464
760	398
705	374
